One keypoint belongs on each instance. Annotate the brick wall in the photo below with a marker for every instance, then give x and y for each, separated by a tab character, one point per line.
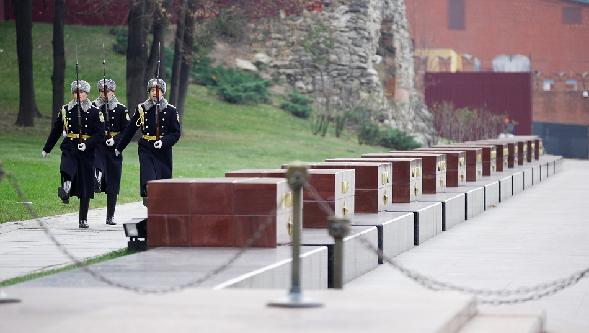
558	51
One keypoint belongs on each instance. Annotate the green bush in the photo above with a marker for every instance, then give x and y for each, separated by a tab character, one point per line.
371	134
121	34
398	140
239	87
368	134
298	105
202	72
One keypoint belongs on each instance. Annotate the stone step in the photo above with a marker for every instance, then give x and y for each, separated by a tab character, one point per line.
504	323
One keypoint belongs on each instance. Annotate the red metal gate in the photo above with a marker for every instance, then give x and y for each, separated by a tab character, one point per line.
500	93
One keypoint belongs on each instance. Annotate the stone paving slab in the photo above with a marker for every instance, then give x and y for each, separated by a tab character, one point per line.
540	236
24	247
102	310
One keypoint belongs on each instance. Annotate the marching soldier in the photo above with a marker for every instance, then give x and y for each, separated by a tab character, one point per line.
83	128
109	165
160	125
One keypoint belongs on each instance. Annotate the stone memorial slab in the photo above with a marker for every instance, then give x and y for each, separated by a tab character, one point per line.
528	175
453	207
406	178
336	187
434	168
518	181
358	259
491	186
505	186
427	218
474	198
536	172
218	212
168	266
395	230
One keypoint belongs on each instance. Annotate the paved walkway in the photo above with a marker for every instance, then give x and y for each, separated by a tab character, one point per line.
539	235
24	247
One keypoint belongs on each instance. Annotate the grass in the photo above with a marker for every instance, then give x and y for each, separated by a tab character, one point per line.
217	136
92	261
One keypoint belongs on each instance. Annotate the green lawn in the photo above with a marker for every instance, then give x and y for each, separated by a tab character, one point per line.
217	136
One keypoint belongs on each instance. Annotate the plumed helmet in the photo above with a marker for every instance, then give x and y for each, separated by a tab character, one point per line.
110	85
157	83
83	86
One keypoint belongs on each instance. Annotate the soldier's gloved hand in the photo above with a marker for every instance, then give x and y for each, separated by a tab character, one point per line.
81	146
44	154
117	152
157	144
110	142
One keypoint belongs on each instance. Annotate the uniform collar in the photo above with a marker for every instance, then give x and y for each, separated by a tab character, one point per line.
150	103
86	105
112	103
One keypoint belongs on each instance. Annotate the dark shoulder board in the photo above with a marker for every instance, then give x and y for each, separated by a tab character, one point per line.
121	106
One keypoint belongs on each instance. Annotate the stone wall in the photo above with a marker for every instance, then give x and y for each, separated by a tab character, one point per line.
370	58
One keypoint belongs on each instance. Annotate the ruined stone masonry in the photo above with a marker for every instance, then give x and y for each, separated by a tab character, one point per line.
371	55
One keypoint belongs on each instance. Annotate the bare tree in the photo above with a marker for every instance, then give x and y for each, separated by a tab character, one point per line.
136	52
188	51
58	76
161	20
178	51
27	108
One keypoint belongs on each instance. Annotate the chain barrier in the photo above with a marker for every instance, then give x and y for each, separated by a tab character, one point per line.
487	296
498	296
140	290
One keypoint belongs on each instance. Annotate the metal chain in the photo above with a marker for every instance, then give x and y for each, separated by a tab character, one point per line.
98	276
501	296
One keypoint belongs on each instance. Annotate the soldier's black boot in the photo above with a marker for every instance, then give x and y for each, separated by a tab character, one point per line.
83	213
111	203
63	195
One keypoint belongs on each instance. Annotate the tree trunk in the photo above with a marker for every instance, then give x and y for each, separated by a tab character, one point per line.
186	65
136	53
160	24
178	53
27	108
57	78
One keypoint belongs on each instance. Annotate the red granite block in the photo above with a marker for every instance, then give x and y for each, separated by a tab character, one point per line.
434	167
157	234
406	176
169	196
261	196
315	215
367	175
212	196
488	155
329	183
177	230
233	230
474	160
372	201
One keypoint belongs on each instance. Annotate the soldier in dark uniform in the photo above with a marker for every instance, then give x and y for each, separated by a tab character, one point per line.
83	129
108	165
159	135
